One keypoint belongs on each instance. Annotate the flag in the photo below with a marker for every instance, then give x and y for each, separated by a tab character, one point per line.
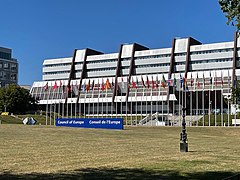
108	85
157	82
103	86
148	82
92	85
235	82
137	83
84	87
203	81
60	84
45	87
210	79
228	80
192	81
88	86
153	85
163	82
112	83
170	81
122	83
174	81
185	87
55	86
222	79
69	89
181	81
133	84
143	82
198	83
215	79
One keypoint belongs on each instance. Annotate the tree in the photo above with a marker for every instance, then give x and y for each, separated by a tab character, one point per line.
15	99
231	9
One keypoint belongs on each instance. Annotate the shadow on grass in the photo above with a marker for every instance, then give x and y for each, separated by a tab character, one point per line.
114	173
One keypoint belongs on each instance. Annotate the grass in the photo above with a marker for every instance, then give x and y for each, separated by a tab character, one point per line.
48	152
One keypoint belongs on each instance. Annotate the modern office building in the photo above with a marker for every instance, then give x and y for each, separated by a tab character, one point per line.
142	82
8	68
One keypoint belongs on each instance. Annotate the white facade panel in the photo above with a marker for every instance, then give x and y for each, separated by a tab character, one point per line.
125	71
80	54
181	45
102	57
125	63
152	61
101	73
180	58
213	66
54	76
212	56
56	68
78	67
213	46
152	70
152	52
127	51
102	65
180	68
57	61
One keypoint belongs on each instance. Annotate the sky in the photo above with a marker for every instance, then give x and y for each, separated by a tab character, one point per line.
43	29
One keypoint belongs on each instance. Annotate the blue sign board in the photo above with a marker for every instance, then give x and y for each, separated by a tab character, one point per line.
105	123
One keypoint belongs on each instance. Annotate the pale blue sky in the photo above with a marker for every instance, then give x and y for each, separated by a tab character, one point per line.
41	29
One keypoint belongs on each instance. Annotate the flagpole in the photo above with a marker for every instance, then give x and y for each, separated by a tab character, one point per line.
221	105
203	106
215	116
98	99
173	108
179	99
121	99
136	111
209	111
228	98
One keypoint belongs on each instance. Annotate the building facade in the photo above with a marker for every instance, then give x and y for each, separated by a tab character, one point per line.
142	84
8	68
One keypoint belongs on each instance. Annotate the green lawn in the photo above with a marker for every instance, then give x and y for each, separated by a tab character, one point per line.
48	152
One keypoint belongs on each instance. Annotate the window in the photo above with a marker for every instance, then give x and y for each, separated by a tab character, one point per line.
5	65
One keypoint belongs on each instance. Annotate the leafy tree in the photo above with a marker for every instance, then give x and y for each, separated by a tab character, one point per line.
231	9
16	99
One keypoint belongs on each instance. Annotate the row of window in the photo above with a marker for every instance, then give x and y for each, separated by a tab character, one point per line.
212	51
8	76
4	55
57	65
7	65
153	65
102	61
58	72
102	69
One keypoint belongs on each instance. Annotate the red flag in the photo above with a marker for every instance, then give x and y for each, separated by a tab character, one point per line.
163	83
69	88
133	84
157	82
103	86
93	85
143	82
88	85
55	86
198	83
148	82
46	87
153	85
